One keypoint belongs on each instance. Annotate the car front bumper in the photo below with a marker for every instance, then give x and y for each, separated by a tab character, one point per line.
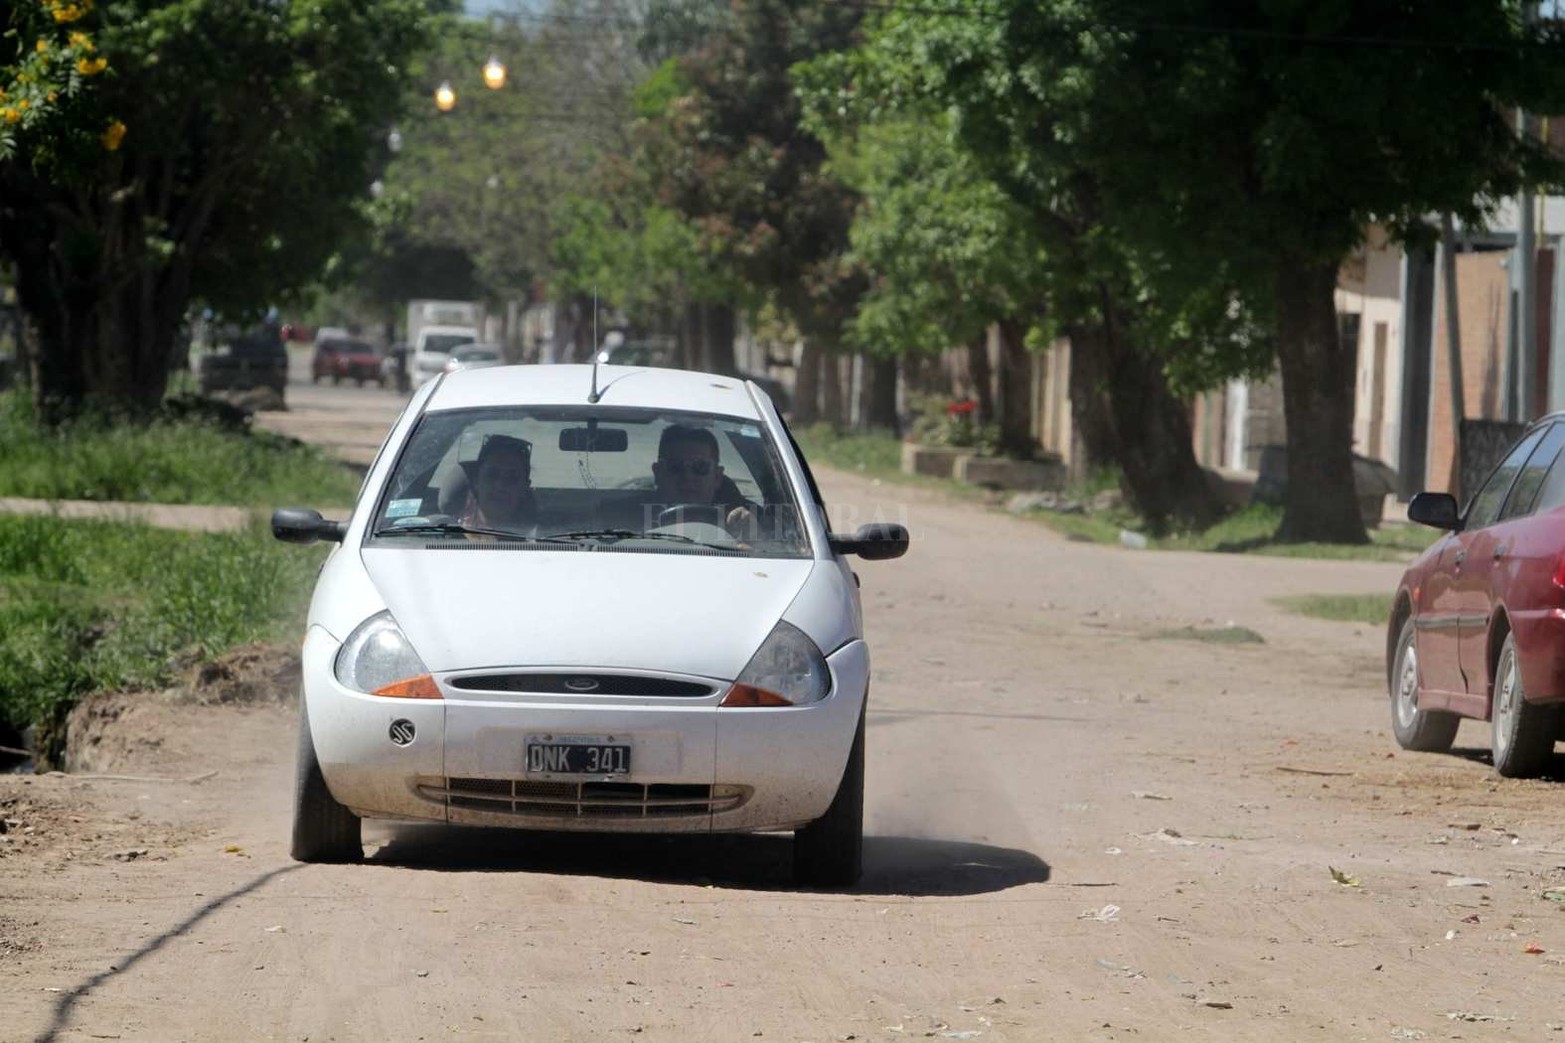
695	766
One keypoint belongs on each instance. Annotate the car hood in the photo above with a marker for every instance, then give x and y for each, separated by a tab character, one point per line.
491	607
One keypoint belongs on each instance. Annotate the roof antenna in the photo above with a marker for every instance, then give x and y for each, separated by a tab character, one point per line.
596	354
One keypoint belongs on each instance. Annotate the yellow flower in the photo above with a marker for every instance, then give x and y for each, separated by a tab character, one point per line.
52	97
71	12
23	104
113	135
10	115
91	66
42	46
82	41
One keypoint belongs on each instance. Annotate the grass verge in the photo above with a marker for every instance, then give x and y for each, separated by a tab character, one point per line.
88	606
1373	609
171	461
1248	531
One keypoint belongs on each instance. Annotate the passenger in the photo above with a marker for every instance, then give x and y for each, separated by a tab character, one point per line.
500	495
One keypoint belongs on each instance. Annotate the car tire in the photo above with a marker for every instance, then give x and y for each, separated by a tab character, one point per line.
829	852
1427	731
323	830
1522	733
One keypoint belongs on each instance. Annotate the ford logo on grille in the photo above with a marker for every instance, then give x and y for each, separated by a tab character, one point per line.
581	684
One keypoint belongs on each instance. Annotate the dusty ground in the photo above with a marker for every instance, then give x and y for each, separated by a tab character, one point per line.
1078	830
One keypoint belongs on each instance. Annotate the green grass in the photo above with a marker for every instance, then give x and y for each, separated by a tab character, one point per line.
1373	609
90	606
185	461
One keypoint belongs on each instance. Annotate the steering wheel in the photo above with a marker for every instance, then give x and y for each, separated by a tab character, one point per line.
687	513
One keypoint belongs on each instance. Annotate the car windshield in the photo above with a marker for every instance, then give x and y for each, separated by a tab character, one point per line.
475	354
444	342
589	477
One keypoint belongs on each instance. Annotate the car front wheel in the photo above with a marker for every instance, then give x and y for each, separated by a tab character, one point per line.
1428	731
323	830
1522	733
829	852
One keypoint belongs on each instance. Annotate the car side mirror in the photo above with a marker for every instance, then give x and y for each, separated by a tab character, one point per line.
1435	509
300	525
880	541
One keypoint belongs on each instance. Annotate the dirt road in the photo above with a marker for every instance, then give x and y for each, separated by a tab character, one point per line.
1078	830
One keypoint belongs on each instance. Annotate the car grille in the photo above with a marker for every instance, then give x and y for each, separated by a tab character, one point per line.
581	684
582	799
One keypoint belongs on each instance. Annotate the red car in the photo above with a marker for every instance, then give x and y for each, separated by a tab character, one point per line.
346	360
1478	624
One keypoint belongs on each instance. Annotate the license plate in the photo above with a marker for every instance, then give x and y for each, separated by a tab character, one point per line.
576	755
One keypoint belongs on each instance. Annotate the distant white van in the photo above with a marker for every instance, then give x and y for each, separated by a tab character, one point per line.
432	349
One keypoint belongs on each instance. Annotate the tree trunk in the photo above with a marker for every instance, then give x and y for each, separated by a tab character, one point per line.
721	328
831	389
1126	415
807	386
1015	398
1320	502
878	408
983	380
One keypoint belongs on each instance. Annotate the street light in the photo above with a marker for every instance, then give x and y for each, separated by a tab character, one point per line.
494	73
445	97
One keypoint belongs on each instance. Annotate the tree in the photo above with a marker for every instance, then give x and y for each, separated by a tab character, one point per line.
736	162
1260	141
251	130
960	230
47	62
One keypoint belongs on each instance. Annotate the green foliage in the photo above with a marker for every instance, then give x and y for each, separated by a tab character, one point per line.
47	62
1372	609
1232	634
938	420
87	606
732	157
162	462
251	131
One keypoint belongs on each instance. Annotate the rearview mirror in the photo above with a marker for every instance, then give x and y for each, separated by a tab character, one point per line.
1435	509
877	542
594	440
299	525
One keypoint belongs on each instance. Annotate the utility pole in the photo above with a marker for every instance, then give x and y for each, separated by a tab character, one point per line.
1448	290
1526	377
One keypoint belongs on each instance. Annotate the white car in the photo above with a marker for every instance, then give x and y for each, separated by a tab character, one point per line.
432	350
522	627
475	356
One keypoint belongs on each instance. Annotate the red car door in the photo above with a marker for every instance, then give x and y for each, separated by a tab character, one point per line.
1496	550
1511	564
1436	617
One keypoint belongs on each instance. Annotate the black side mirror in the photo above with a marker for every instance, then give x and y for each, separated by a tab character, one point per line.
1436	509
299	525
878	542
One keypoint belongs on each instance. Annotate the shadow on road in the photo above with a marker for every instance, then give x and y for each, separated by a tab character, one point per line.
67	1002
892	865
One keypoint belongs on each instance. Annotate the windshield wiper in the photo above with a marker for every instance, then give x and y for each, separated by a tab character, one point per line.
615	535
458	529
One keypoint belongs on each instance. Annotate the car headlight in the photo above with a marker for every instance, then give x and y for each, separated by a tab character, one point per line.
787	670
377	659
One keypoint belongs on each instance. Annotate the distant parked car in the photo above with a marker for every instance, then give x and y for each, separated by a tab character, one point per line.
1476	626
251	360
476	356
342	360
432	349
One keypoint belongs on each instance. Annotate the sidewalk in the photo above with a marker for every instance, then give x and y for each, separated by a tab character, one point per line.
189	517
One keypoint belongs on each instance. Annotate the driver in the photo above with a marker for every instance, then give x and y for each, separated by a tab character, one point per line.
687	472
